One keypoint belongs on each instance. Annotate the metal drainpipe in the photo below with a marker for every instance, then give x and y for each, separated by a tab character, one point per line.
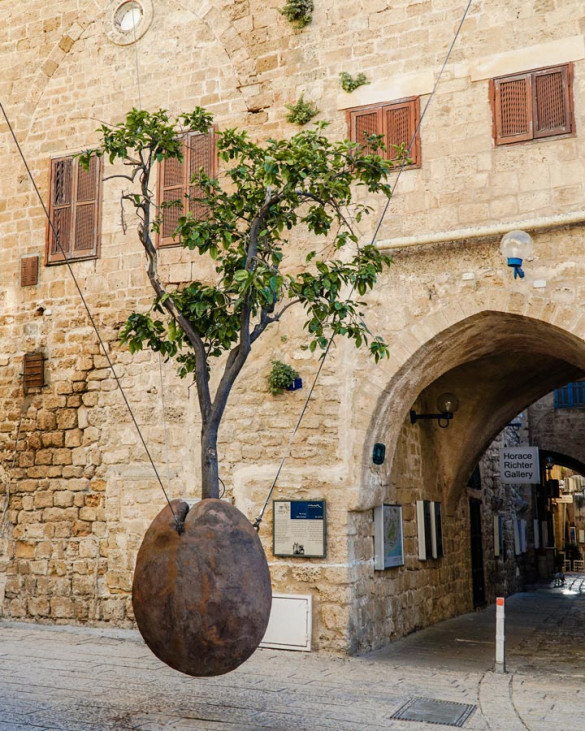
484	232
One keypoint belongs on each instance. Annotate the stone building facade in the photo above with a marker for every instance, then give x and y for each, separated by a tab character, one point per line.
81	493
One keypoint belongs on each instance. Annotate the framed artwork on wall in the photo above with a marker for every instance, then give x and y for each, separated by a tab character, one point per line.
388	537
430	529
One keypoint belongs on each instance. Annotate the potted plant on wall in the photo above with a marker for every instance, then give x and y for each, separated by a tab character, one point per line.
283	377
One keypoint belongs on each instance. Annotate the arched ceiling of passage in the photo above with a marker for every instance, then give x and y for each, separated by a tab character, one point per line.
497	364
491	390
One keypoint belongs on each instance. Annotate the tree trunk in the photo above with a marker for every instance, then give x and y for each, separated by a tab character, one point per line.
209	466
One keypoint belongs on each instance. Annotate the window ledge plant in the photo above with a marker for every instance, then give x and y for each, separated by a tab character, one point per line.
349	83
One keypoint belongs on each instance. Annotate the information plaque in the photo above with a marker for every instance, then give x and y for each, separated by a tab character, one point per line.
299	528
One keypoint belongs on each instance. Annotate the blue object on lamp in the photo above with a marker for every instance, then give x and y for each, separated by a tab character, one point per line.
515	247
516	263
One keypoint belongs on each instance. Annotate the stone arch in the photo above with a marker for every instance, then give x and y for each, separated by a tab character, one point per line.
535	355
563	460
497	361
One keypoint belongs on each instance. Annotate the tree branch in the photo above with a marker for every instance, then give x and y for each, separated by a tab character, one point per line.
169	304
126	177
278	315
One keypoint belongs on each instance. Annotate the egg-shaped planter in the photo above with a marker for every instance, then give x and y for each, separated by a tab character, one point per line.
202	597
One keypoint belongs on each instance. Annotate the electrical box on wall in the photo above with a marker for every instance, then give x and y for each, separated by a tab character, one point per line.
290	624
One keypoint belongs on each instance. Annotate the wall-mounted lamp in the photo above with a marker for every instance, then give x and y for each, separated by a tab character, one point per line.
447	405
516	246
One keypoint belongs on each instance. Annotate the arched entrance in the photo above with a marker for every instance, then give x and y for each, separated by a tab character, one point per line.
497	364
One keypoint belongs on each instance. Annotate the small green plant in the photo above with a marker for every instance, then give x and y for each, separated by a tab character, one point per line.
298	12
280	377
349	84
301	112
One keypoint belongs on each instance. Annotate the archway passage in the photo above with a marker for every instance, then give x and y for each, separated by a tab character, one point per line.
497	364
562	460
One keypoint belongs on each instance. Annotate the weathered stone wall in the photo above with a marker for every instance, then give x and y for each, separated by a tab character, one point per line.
82	491
507	573
558	430
394	602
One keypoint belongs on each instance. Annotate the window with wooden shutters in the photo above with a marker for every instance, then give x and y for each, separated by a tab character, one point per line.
396	121
74	210
176	191
533	105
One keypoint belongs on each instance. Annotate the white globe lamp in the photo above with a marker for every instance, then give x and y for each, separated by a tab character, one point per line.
515	247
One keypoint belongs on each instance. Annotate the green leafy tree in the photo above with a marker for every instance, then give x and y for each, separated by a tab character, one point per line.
263	192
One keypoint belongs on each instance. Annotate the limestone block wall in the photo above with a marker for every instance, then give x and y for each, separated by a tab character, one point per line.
82	491
559	430
392	603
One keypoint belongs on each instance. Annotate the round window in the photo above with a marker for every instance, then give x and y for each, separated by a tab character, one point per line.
128	16
129	20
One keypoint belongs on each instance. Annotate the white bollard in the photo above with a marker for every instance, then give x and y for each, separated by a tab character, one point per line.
500	636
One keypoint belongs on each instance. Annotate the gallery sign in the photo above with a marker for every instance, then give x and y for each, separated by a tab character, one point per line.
519	465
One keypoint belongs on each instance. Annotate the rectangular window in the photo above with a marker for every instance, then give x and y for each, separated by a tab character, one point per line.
396	121
74	210
533	105
570	396
175	184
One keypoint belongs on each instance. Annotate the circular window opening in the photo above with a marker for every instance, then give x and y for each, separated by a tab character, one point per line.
128	16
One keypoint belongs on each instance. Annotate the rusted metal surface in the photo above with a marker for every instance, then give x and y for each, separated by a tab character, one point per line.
202	598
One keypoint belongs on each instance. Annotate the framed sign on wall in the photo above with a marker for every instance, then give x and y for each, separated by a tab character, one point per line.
299	528
388	538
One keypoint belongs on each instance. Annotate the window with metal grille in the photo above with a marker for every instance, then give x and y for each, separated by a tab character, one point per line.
570	396
178	191
396	121
33	371
29	271
533	105
74	210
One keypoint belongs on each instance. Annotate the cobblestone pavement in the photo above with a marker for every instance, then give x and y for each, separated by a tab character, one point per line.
82	679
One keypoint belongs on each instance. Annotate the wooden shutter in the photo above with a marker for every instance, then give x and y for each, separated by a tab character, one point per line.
86	225
400	122
364	124
175	184
200	153
512	101
171	191
74	208
552	97
396	122
61	209
33	371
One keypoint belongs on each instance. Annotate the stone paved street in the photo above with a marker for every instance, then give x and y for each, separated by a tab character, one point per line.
82	679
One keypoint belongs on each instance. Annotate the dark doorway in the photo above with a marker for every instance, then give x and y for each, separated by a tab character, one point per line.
476	553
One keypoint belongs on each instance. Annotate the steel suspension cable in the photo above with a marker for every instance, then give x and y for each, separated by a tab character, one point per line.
88	311
325	353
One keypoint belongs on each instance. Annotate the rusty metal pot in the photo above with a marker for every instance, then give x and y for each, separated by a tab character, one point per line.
202	597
